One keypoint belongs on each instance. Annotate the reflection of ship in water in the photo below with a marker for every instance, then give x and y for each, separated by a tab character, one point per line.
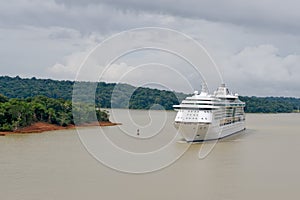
206	117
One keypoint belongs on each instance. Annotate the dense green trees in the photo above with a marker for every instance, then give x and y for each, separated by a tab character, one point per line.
116	96
3	98
145	98
107	94
22	88
18	113
270	104
15	113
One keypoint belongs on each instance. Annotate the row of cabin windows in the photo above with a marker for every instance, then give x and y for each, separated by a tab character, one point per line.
205	111
191	114
193	118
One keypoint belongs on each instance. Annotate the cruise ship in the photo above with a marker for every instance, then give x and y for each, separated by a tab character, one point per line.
206	116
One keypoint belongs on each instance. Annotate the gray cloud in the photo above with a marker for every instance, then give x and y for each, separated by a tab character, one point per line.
275	15
271	14
263	72
247	39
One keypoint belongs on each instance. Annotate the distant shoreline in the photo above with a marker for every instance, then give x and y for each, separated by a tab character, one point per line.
40	127
141	98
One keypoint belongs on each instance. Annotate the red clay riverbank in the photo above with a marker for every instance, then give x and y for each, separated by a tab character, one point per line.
40	127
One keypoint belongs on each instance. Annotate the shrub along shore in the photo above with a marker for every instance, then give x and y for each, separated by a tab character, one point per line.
40	113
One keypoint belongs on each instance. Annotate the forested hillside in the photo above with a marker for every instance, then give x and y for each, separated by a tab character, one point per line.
139	98
127	96
271	104
22	88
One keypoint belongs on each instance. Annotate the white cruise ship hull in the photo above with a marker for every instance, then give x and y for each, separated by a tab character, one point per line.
194	132
209	117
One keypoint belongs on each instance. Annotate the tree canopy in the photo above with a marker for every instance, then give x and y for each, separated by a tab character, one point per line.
111	95
18	113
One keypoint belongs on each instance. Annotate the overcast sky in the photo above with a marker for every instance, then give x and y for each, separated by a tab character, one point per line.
256	44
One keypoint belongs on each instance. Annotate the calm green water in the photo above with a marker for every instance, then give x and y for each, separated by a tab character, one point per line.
259	163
